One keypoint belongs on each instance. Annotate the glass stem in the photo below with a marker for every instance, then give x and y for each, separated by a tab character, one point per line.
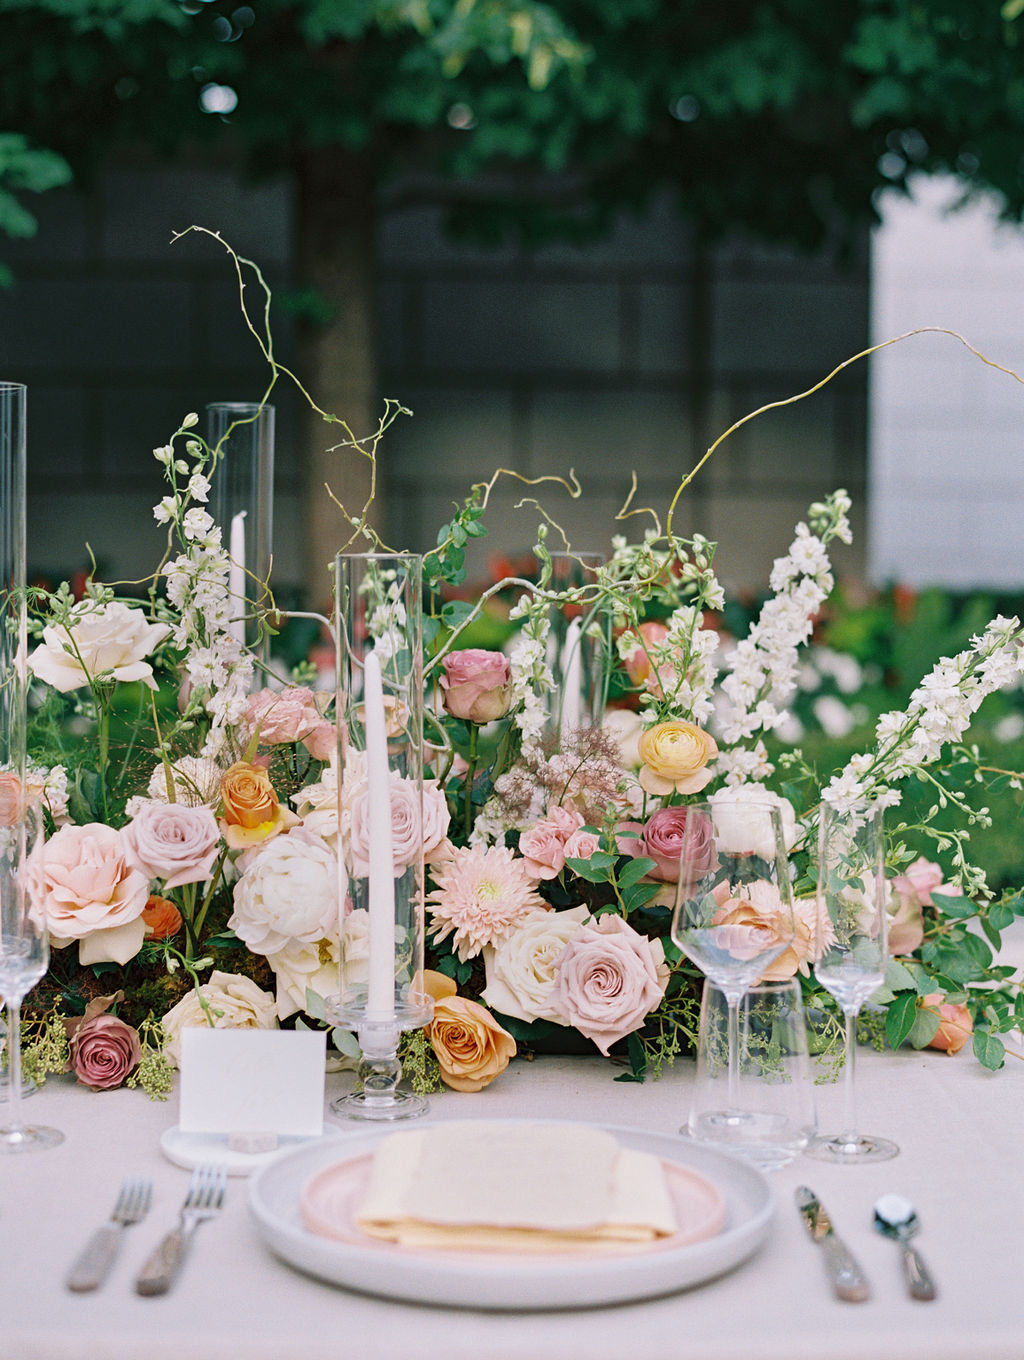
733	1013
14	1067
850	1133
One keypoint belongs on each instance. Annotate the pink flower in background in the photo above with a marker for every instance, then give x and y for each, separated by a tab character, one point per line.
171	841
10	797
911	892
86	890
476	685
543	845
582	844
481	894
664	836
407	825
104	1052
608	978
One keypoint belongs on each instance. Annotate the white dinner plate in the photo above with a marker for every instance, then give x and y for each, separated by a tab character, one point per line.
504	1281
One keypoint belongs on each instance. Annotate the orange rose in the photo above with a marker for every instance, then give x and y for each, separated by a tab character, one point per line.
675	756
162	918
471	1047
955	1023
252	813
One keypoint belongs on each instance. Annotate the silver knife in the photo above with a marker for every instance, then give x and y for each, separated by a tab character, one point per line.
848	1280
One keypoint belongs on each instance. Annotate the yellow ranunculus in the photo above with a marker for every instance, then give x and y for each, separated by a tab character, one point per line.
675	758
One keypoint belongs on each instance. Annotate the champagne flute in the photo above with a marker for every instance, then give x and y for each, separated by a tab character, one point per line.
851	952
24	956
733	917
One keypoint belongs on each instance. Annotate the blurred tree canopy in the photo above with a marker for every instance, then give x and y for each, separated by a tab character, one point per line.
525	119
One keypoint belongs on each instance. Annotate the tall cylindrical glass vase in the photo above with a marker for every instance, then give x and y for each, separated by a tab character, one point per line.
13	642
577	649
379	629
242	501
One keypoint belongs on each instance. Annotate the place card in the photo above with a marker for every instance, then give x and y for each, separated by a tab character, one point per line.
250	1083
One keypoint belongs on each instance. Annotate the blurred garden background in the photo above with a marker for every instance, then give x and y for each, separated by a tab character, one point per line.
587	235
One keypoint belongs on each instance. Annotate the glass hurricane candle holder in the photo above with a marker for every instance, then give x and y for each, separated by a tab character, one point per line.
378	619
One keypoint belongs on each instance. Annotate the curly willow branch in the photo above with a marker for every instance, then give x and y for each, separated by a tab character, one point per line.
790	401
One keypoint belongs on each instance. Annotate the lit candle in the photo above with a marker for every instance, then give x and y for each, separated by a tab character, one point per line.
380	998
572	672
236	579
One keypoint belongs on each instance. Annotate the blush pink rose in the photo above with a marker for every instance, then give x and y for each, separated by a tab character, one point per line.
407	839
607	980
476	685
104	1052
290	715
582	844
86	890
912	892
10	797
542	846
172	841
665	835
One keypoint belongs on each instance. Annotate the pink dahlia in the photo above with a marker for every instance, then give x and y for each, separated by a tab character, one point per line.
481	894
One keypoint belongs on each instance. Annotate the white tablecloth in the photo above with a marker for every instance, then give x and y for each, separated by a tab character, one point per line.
959	1128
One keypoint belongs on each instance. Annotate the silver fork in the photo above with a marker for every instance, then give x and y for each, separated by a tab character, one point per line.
94	1261
204	1200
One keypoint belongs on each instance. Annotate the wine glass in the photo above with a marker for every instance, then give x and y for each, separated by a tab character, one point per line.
851	951
733	917
24	955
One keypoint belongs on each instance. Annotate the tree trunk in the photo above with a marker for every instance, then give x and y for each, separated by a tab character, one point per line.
338	361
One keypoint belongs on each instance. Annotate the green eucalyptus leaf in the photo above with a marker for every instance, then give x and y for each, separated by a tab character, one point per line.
900	1018
989	1050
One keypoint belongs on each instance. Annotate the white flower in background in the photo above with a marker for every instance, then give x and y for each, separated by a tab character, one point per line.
288	893
104	641
195	780
521	970
228	1001
742	826
317	805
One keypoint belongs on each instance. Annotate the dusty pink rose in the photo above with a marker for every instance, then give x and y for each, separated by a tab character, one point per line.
476	685
87	891
666	834
436	820
281	716
542	846
104	1052
171	841
608	978
955	1023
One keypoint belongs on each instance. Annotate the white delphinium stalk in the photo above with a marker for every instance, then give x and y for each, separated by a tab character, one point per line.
763	668
531	676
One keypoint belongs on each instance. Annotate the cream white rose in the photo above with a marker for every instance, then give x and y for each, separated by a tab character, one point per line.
302	967
521	969
112	640
287	892
232	1002
741	825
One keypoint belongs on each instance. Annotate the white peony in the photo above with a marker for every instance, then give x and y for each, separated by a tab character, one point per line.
231	1002
741	826
521	969
288	892
111	640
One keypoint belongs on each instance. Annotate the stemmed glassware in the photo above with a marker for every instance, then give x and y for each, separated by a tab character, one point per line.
852	950
24	956
733	917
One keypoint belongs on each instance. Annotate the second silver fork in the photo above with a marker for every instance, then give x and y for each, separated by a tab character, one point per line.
204	1200
94	1261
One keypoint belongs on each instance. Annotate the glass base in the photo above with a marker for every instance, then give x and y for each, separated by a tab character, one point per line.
851	1149
28	1138
372	1105
767	1140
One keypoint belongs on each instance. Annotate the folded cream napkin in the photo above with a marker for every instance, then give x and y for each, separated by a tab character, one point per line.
496	1186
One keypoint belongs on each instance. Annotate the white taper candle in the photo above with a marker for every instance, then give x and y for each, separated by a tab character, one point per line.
380	998
236	578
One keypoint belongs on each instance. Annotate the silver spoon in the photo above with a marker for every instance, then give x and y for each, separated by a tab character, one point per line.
896	1217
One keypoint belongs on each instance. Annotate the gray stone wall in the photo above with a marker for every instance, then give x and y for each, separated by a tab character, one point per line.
632	355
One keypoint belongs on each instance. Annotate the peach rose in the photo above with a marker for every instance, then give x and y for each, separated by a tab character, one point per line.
476	685
471	1047
10	797
758	908
251	811
955	1023
675	758
161	918
86	890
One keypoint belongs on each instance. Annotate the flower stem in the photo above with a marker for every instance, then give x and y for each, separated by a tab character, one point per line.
467	792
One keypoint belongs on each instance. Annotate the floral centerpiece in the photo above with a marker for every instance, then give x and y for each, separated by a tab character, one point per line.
196	811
